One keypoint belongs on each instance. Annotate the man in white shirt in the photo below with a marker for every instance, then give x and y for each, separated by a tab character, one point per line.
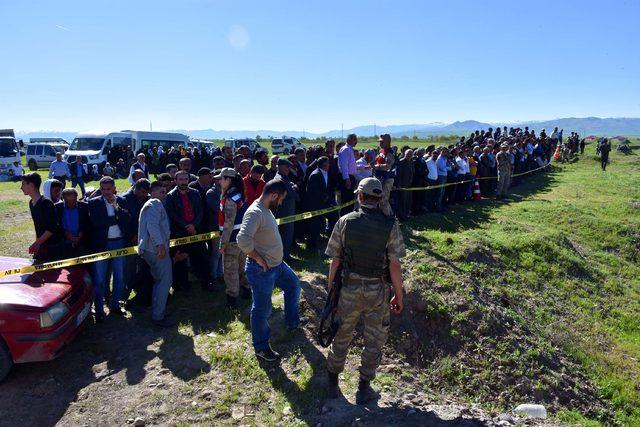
432	179
140	164
363	167
59	169
16	171
348	171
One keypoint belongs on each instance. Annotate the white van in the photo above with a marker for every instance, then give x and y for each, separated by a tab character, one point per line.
145	140
237	143
9	151
94	147
40	155
286	145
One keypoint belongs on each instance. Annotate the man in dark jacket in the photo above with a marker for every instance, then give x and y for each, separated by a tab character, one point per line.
186	215
136	272
605	148
288	206
110	219
317	197
73	217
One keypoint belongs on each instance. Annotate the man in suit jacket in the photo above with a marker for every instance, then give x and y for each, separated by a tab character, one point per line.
317	197
109	217
185	211
79	174
136	275
73	217
140	165
153	247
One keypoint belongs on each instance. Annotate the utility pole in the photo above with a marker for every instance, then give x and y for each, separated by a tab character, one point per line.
150	125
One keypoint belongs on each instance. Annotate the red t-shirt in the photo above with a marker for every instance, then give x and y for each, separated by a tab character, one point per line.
187	209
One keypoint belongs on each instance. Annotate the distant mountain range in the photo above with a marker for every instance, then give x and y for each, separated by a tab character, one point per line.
584	126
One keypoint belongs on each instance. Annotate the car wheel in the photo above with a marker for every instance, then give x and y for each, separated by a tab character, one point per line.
33	165
6	362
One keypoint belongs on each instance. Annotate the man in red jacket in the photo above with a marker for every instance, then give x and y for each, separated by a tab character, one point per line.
253	184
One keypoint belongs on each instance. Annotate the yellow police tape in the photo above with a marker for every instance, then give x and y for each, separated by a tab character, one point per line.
132	250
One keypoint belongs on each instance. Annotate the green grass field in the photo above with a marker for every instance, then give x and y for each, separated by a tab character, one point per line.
531	298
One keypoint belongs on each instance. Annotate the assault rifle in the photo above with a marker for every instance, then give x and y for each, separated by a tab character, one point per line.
328	323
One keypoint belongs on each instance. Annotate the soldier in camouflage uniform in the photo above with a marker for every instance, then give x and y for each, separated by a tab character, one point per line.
383	170
503	160
368	245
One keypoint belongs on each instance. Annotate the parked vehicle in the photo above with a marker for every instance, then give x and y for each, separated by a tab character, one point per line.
48	140
286	145
237	143
40	155
40	313
145	140
9	151
94	147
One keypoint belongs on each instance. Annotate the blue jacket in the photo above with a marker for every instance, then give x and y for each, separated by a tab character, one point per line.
101	221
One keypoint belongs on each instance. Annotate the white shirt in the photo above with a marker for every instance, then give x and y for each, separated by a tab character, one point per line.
17	170
362	173
432	169
114	230
463	166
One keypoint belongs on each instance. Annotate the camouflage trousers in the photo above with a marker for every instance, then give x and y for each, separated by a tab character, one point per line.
385	206
233	261
504	180
368	300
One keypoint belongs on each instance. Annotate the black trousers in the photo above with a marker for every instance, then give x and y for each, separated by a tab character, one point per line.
199	261
347	195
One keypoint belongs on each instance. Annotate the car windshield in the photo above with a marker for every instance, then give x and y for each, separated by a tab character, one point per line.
8	148
276	141
87	144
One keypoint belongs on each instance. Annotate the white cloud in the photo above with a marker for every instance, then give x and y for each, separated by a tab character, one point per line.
238	37
63	28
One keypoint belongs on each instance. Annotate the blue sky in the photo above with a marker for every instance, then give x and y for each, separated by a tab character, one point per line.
193	64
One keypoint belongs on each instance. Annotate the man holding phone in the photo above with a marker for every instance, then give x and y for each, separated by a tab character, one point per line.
368	244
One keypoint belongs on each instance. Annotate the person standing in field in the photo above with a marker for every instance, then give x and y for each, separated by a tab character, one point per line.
605	148
153	247
348	171
232	209
260	240
503	160
368	245
384	171
43	214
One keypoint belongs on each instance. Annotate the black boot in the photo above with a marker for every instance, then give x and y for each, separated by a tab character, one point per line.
365	393
333	390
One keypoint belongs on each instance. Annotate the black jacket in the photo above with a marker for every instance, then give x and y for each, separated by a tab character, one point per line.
173	205
83	218
317	194
73	170
101	221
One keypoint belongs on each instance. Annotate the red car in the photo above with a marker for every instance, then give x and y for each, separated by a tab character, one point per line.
41	312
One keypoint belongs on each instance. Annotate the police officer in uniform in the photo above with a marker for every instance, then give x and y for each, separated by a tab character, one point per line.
368	245
232	209
384	170
503	160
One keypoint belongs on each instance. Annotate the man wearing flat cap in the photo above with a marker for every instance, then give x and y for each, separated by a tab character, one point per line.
503	160
368	245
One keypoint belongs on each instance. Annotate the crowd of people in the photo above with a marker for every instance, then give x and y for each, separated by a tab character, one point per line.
215	191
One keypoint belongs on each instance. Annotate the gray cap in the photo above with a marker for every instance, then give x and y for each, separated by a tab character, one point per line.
370	186
226	172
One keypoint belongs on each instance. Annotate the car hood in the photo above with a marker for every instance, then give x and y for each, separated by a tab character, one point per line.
35	291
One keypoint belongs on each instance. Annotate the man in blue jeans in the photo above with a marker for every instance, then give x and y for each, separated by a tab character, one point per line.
260	240
109	219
